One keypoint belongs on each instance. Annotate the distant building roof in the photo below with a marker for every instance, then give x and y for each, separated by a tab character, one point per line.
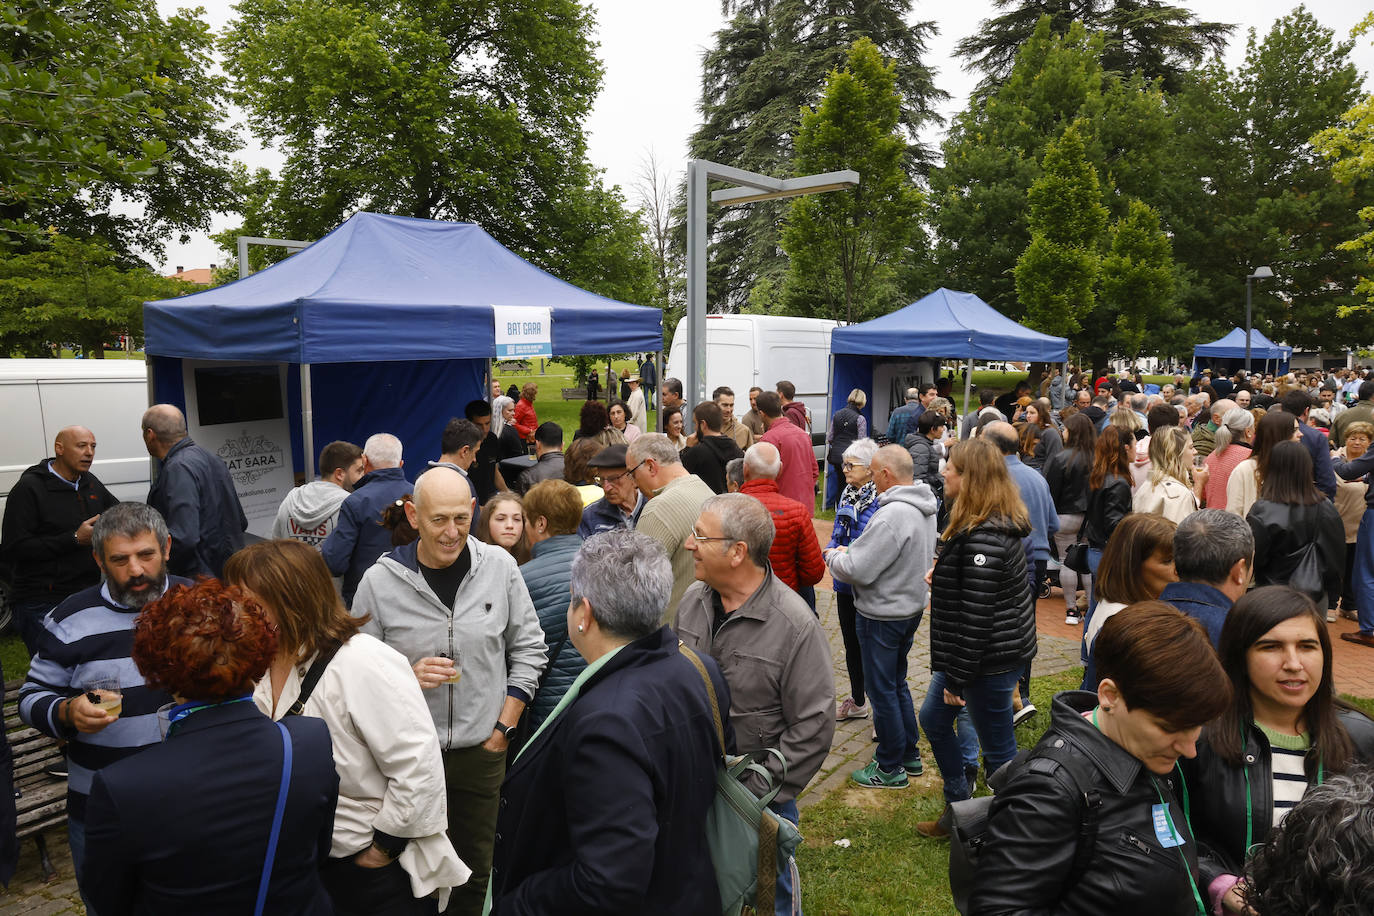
202	275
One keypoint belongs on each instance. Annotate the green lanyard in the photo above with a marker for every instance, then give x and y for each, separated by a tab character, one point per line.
1173	831
1249	806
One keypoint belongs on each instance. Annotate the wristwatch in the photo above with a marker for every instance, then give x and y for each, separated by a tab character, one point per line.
504	729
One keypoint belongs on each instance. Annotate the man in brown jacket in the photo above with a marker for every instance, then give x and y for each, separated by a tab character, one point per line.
769	646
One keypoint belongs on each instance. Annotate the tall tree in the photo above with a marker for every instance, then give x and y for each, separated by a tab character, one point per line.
107	102
770	60
441	109
67	290
1056	276
994	152
1135	296
1258	192
847	250
1349	147
1157	39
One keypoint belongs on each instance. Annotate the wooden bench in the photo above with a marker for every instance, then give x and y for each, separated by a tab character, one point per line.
42	801
513	365
574	394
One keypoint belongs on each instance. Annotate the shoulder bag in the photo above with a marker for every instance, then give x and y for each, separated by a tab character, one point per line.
746	839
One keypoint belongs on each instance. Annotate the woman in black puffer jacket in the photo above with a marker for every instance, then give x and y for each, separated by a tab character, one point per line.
982	614
1133	853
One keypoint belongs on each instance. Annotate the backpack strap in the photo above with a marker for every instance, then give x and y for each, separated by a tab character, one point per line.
1082	774
312	677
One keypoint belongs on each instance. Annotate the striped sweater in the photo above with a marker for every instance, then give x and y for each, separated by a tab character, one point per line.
85	636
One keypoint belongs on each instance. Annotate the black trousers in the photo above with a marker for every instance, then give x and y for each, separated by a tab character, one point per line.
853	657
358	891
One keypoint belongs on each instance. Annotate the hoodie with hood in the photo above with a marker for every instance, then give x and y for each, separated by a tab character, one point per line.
492	632
309	513
887	563
708	458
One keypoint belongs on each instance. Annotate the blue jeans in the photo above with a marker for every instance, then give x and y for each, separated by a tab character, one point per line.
1364	572
808	594
76	838
988	700
968	738
787	902
885	645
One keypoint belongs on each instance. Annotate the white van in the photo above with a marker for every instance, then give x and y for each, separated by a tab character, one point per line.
744	351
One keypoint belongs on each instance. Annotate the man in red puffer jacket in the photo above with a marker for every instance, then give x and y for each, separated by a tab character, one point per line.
796	554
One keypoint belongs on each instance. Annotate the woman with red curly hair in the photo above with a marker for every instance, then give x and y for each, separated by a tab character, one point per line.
389	854
232	813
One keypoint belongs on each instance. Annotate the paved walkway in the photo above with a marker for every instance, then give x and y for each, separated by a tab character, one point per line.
853	746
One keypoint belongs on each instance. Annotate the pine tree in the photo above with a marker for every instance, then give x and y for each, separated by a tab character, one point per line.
847	251
1159	40
770	60
1057	274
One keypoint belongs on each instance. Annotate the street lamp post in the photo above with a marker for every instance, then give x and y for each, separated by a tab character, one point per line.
750	186
1261	273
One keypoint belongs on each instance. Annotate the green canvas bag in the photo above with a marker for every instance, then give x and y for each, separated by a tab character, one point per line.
746	839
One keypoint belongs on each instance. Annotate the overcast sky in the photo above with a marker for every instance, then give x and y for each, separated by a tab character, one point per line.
651	50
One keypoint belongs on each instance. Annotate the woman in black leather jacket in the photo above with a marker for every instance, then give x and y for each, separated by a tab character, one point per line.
1120	843
982	614
1299	535
1277	654
1109	501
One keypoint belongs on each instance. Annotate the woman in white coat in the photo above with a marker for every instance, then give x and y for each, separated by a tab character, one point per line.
1174	488
391	854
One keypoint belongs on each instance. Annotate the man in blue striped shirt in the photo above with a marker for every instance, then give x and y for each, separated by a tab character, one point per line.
90	635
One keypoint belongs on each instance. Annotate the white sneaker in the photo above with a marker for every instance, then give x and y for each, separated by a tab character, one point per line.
1071	619
851	710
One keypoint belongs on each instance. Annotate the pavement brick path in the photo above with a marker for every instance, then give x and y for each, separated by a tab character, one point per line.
853	747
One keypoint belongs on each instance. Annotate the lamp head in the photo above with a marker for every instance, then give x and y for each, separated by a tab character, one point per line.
1262	273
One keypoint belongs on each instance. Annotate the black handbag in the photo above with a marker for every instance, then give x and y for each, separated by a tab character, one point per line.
1076	554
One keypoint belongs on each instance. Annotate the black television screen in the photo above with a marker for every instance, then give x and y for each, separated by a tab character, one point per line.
238	394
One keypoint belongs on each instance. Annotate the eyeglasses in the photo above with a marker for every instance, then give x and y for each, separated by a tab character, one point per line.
602	481
631	472
703	538
851	465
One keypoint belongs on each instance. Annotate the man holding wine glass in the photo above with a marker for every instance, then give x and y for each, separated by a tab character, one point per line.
82	681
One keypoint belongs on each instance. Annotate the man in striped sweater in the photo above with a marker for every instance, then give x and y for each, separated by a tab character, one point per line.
90	635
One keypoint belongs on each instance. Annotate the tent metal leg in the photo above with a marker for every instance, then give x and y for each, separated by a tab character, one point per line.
307	424
152	399
658	389
968	387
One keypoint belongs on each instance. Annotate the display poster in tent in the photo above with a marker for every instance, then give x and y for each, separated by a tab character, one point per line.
523	331
891	379
237	410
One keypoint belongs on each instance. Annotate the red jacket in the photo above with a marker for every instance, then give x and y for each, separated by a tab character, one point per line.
525	420
796	554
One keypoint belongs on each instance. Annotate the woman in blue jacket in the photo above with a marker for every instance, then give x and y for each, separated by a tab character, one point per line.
857	504
553	510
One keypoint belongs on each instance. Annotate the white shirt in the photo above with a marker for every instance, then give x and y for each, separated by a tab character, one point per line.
391	773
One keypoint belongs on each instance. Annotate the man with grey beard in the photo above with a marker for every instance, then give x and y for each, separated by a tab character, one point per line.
91	635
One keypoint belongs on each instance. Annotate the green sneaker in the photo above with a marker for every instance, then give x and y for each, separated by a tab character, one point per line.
913	767
873	777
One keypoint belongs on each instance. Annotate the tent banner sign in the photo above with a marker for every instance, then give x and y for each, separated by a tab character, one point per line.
523	331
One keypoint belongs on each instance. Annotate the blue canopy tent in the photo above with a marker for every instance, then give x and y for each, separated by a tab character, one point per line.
1229	353
946	324
389	321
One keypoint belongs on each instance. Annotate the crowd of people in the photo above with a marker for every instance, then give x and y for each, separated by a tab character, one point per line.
477	689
